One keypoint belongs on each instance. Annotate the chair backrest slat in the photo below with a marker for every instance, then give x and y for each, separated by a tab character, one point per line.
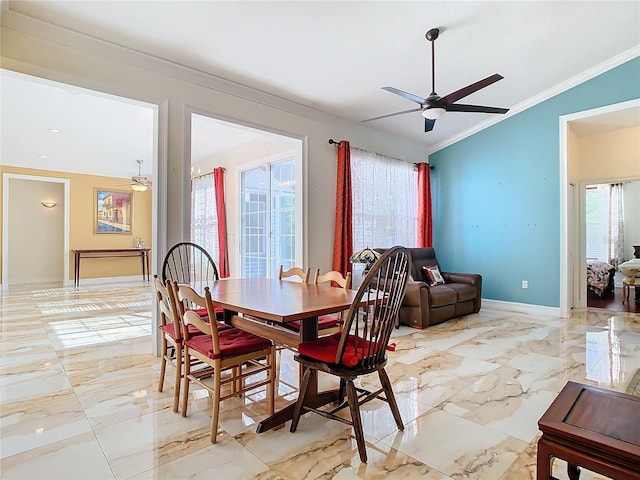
300	273
372	315
187	262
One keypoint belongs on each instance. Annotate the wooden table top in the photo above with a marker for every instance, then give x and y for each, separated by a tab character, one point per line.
279	300
596	418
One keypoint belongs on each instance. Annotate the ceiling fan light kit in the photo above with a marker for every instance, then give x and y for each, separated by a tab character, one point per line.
433	113
138	182
434	107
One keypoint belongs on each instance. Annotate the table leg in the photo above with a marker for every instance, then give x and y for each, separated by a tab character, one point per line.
543	464
146	256
76	269
308	331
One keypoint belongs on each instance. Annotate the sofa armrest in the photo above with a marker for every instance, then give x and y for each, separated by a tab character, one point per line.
415	292
470	279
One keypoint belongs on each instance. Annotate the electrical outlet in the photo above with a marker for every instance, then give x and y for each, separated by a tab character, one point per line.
525	284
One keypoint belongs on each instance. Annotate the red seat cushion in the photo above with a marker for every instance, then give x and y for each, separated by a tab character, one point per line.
233	341
325	348
324	322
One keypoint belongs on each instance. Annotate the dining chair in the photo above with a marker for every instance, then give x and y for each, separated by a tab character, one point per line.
296	272
171	336
189	263
240	354
360	348
330	323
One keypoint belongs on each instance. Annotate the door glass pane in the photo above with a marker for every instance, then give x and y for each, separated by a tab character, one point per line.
268	219
253	219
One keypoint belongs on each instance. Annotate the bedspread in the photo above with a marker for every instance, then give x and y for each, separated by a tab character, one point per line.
599	276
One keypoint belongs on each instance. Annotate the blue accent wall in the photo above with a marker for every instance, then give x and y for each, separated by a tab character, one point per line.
496	194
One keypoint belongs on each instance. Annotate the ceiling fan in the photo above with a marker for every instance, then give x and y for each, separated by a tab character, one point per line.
138	182
434	106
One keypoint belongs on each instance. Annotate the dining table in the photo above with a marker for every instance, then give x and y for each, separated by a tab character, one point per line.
263	306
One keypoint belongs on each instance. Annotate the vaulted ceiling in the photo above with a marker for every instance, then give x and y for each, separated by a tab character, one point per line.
334	56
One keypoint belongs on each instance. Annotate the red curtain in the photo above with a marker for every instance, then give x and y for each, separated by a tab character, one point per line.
425	225
218	180
343	238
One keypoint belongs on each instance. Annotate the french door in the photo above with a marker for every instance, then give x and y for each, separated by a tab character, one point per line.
269	222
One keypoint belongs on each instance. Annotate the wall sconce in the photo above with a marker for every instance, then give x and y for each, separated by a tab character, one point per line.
48	204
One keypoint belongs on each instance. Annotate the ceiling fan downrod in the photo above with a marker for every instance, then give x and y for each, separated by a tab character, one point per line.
432	35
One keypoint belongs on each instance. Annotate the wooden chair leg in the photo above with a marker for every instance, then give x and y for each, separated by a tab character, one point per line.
301	397
215	414
354	408
341	391
178	379
391	398
185	385
163	364
271	387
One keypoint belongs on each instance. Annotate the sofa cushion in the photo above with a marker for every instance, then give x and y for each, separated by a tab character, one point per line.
443	295
464	291
434	277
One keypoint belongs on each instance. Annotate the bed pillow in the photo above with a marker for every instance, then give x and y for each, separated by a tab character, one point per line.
434	277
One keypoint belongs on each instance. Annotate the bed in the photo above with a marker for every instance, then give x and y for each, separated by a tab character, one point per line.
600	277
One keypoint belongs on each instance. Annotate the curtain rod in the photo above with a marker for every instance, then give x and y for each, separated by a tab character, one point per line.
431	167
333	142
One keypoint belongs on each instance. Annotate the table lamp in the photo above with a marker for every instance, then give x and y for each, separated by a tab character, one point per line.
366	256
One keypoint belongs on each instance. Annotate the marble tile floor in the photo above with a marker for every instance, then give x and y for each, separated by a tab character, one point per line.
79	399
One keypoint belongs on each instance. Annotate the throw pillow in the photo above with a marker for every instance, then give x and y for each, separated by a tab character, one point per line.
434	277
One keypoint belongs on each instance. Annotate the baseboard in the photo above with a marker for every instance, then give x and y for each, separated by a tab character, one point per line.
521	307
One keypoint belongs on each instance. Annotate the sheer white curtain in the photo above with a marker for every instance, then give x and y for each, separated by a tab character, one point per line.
615	239
204	219
384	201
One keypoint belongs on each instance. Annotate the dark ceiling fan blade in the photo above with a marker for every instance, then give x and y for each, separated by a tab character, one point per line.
428	124
469	89
392	114
459	107
408	96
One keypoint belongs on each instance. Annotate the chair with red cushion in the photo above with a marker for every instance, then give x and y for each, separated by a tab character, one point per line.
331	323
361	347
239	354
189	263
171	335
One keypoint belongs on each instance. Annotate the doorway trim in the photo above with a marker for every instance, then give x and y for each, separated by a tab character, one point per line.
5	222
569	210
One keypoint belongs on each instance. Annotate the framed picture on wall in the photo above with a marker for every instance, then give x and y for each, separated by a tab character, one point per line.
113	211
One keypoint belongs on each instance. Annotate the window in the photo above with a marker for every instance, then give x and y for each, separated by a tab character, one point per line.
604	223
268	219
204	217
384	201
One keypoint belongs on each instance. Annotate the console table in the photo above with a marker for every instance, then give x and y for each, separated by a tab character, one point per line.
594	428
143	253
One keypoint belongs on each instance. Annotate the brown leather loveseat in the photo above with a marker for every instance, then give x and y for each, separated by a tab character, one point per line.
425	305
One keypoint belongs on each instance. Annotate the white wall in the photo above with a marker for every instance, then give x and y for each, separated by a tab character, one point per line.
78	60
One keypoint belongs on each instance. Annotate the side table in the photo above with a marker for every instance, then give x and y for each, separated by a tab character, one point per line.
594	428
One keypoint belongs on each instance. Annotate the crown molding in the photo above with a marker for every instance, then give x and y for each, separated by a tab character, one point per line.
541	97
